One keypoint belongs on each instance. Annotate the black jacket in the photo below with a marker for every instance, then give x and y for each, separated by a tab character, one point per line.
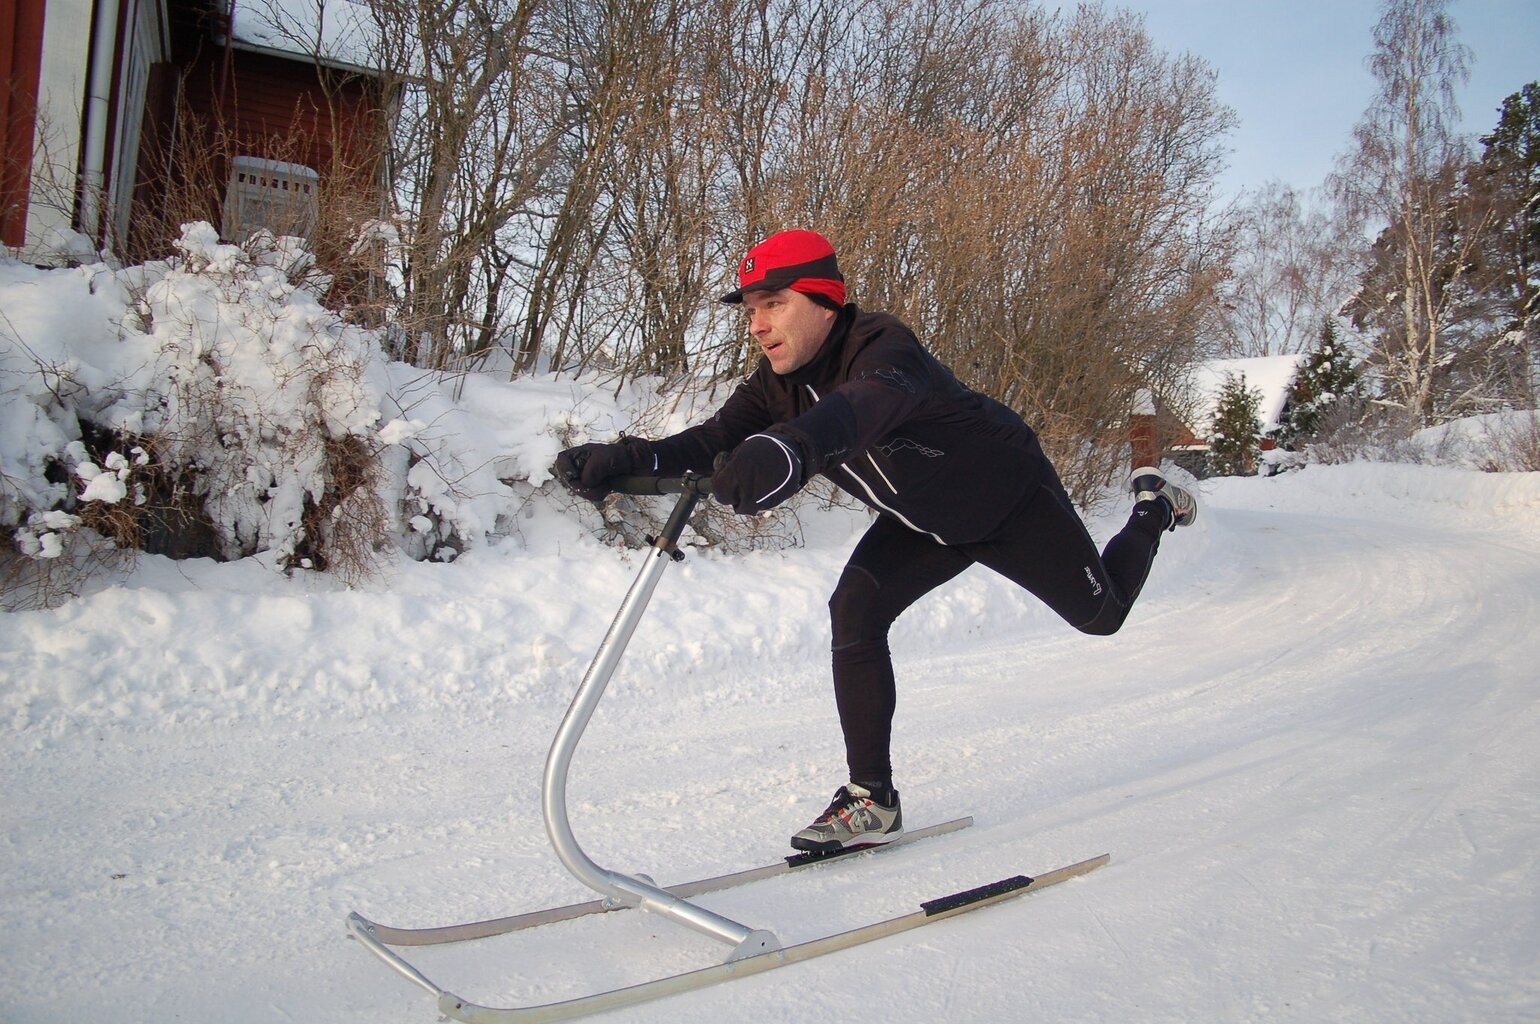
888	423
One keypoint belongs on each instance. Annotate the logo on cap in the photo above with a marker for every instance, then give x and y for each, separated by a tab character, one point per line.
748	265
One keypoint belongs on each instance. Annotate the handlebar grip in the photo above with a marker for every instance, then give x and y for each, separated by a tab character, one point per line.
687	484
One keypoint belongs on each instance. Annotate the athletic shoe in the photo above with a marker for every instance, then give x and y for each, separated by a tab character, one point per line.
1150	484
853	819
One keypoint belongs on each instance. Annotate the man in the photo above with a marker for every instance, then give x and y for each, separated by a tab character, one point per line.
956	478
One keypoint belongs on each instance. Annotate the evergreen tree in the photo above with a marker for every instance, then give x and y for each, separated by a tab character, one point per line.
1237	434
1328	390
1513	151
1509	176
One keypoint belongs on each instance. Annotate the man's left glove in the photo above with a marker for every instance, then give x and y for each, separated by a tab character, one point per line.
762	472
588	469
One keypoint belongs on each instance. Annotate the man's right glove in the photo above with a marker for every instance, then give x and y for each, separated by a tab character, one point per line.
588	469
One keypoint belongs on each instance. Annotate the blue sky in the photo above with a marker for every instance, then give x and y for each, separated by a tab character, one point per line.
1294	72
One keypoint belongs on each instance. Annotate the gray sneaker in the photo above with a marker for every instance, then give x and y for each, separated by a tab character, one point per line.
852	819
1150	484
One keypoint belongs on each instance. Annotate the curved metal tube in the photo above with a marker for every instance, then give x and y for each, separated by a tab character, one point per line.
627	890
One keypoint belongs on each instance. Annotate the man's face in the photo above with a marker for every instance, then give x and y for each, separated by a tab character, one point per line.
789	327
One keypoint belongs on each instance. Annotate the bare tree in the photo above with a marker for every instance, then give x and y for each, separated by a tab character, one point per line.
657	209
1293	265
477	131
1030	190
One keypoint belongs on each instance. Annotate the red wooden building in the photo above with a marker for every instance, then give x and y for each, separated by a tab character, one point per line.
1180	430
123	118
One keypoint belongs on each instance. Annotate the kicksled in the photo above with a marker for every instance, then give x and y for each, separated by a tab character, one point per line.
752	950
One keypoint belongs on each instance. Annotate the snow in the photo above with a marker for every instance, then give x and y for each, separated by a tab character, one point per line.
1310	752
1472	441
339	31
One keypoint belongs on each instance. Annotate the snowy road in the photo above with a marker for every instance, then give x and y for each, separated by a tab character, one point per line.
1311	753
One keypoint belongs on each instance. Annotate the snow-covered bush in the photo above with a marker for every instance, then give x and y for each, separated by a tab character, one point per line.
268	396
1502	442
1512	443
206	404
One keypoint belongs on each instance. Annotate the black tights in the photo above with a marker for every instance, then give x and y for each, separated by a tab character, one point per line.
1043	547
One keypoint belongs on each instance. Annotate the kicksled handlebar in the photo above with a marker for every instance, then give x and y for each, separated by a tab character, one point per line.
690	489
645	485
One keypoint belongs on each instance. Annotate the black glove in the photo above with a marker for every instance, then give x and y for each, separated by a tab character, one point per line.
762	472
588	469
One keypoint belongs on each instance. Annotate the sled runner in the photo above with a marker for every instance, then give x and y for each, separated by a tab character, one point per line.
753	950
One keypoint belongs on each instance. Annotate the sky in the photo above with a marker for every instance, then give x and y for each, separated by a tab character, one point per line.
1294	72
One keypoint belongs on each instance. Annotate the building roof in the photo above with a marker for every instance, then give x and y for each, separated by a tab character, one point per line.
336	33
1272	376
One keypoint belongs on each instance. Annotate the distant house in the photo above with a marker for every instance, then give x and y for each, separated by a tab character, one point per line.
125	115
1179	425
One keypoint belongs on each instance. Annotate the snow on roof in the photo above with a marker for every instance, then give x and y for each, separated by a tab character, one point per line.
1270	375
340	33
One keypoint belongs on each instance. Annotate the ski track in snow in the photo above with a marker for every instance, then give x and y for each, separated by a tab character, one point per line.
1310	753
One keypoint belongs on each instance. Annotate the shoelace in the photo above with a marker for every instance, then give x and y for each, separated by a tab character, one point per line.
843	801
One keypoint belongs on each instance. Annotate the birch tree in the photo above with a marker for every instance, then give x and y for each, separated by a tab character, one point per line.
1402	180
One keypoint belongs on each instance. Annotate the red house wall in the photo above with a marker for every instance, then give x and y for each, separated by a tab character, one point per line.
277	109
231	102
21	64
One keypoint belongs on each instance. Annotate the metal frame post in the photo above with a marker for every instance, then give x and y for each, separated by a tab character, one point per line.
629	891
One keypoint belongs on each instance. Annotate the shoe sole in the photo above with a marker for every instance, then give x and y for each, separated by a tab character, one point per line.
835	846
1146	483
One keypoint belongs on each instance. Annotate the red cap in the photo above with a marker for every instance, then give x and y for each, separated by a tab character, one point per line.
800	260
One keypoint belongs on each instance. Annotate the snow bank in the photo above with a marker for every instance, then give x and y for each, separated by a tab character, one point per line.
1501	440
508	628
1373	488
